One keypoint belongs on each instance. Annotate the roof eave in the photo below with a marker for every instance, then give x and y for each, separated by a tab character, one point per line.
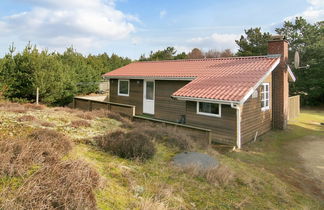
208	100
151	78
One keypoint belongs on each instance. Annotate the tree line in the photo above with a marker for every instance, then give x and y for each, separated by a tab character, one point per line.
60	76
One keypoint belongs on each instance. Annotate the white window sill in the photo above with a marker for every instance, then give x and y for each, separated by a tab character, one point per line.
265	108
123	94
209	114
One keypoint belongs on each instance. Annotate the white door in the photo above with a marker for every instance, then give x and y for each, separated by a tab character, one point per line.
149	95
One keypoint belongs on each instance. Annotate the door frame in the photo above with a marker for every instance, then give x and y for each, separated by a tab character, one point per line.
144	96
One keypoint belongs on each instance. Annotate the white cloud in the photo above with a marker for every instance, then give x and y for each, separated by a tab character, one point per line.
313	13
61	23
215	41
163	13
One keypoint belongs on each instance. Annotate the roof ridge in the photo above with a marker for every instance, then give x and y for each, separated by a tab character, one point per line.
207	59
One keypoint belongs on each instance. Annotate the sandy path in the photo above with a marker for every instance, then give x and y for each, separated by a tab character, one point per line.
311	151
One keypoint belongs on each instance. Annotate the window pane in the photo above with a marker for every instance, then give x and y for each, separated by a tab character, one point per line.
262	104
266	87
210	108
149	90
123	87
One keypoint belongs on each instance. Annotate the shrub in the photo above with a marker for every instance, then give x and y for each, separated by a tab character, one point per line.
42	146
80	123
85	115
167	135
132	145
65	109
34	106
63	185
58	142
26	118
47	124
12	107
100	113
126	122
16	156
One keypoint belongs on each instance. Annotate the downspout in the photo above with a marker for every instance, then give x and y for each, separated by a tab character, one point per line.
238	124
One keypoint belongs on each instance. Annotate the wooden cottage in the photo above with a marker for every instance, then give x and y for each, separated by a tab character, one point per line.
236	98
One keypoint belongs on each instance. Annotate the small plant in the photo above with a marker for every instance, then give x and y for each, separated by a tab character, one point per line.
80	123
130	145
26	118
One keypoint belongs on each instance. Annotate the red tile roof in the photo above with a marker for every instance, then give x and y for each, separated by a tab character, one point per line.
228	79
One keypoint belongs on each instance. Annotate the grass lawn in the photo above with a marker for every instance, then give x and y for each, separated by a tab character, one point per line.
257	181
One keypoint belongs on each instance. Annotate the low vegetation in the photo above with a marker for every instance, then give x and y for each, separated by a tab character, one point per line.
134	144
62	185
96	167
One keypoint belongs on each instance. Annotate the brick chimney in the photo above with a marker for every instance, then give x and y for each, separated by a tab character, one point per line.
280	90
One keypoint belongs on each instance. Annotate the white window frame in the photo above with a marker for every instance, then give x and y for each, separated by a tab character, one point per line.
118	90
210	114
265	93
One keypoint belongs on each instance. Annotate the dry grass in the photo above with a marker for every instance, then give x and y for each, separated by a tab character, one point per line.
20	108
43	146
150	204
12	107
47	124
100	113
132	145
26	118
30	106
126	122
85	115
66	109
59	143
220	176
80	123
63	185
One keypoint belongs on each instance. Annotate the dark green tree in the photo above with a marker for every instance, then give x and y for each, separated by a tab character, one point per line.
253	43
168	53
308	40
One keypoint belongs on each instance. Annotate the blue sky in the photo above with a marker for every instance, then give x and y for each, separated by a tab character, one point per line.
134	27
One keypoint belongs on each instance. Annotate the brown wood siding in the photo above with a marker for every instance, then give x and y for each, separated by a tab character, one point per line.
135	94
223	128
253	118
167	108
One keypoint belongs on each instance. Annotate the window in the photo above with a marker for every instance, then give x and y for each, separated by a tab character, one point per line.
123	87
209	109
149	90
265	96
